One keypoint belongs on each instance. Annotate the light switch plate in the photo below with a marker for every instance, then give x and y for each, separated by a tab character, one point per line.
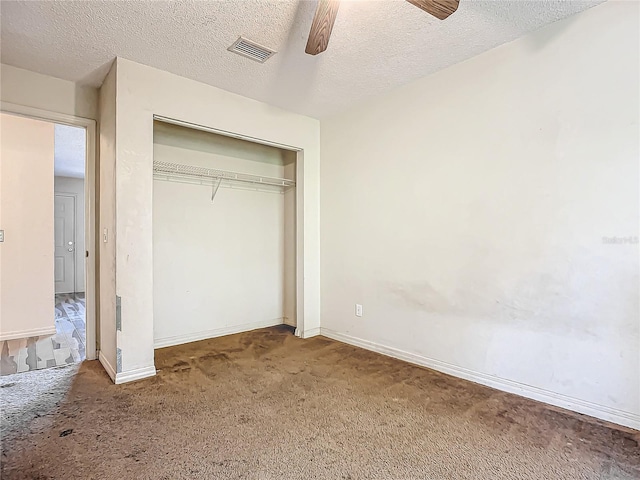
1	235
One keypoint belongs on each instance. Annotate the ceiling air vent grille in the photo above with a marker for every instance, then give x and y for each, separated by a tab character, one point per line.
251	50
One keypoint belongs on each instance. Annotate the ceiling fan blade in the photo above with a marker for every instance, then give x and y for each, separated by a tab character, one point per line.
438	8
321	26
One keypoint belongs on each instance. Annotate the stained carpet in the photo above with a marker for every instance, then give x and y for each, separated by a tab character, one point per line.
267	405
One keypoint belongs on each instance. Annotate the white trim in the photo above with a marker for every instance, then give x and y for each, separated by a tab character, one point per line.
34	332
107	366
125	377
135	374
621	417
204	128
300	243
312	332
90	125
216	332
46	115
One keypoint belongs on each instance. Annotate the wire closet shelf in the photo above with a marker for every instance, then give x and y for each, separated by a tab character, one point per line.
176	171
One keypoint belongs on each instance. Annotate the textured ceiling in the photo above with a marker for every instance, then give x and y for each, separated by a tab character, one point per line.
69	151
375	45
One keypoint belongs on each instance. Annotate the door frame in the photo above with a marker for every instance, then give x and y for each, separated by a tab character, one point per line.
90	224
75	234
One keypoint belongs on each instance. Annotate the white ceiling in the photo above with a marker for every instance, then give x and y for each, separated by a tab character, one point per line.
69	147
375	45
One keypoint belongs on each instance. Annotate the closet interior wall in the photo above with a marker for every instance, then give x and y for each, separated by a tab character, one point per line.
225	265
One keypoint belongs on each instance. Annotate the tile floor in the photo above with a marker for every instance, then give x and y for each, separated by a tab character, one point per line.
65	347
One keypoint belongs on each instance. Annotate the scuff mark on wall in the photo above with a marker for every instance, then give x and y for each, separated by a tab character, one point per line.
417	296
118	360
118	313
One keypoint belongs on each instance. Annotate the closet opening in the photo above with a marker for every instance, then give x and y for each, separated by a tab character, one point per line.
224	234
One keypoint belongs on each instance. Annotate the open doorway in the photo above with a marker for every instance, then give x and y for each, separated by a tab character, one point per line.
46	281
69	244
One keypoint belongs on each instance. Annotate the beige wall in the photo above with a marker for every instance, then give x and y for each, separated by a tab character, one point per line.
106	230
23	87
218	267
26	216
467	211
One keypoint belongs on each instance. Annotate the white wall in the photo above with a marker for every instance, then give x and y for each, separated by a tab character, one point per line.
218	267
106	231
467	210
23	87
75	186
26	216
142	92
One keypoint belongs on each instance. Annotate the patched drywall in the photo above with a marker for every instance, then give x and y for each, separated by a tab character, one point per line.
472	214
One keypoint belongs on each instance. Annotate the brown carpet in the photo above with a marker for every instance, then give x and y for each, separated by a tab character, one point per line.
266	405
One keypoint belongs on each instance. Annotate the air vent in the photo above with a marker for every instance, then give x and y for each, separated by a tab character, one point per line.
251	50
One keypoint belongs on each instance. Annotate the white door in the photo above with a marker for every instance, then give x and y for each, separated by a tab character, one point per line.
65	244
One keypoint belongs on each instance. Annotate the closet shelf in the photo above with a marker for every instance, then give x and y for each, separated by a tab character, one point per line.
168	171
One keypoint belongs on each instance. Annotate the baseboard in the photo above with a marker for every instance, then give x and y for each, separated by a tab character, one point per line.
289	321
107	366
34	332
311	332
620	417
136	374
217	332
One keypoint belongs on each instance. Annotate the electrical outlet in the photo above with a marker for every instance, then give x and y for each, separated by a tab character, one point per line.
1	235
358	310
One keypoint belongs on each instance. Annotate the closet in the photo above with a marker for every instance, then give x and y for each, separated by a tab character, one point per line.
224	235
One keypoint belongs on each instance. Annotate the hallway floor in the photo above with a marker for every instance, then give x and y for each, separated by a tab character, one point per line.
67	346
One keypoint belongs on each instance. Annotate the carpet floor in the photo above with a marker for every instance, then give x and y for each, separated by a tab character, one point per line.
266	405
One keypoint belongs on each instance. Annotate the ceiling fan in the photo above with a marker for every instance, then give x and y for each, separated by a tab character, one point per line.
327	10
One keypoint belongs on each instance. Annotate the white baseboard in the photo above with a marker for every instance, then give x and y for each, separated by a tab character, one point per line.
34	332
217	332
124	377
621	417
136	374
107	366
311	332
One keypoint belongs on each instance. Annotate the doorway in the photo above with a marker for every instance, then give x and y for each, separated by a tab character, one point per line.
61	282
69	244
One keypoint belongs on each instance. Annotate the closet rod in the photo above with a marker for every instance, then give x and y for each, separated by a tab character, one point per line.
168	170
